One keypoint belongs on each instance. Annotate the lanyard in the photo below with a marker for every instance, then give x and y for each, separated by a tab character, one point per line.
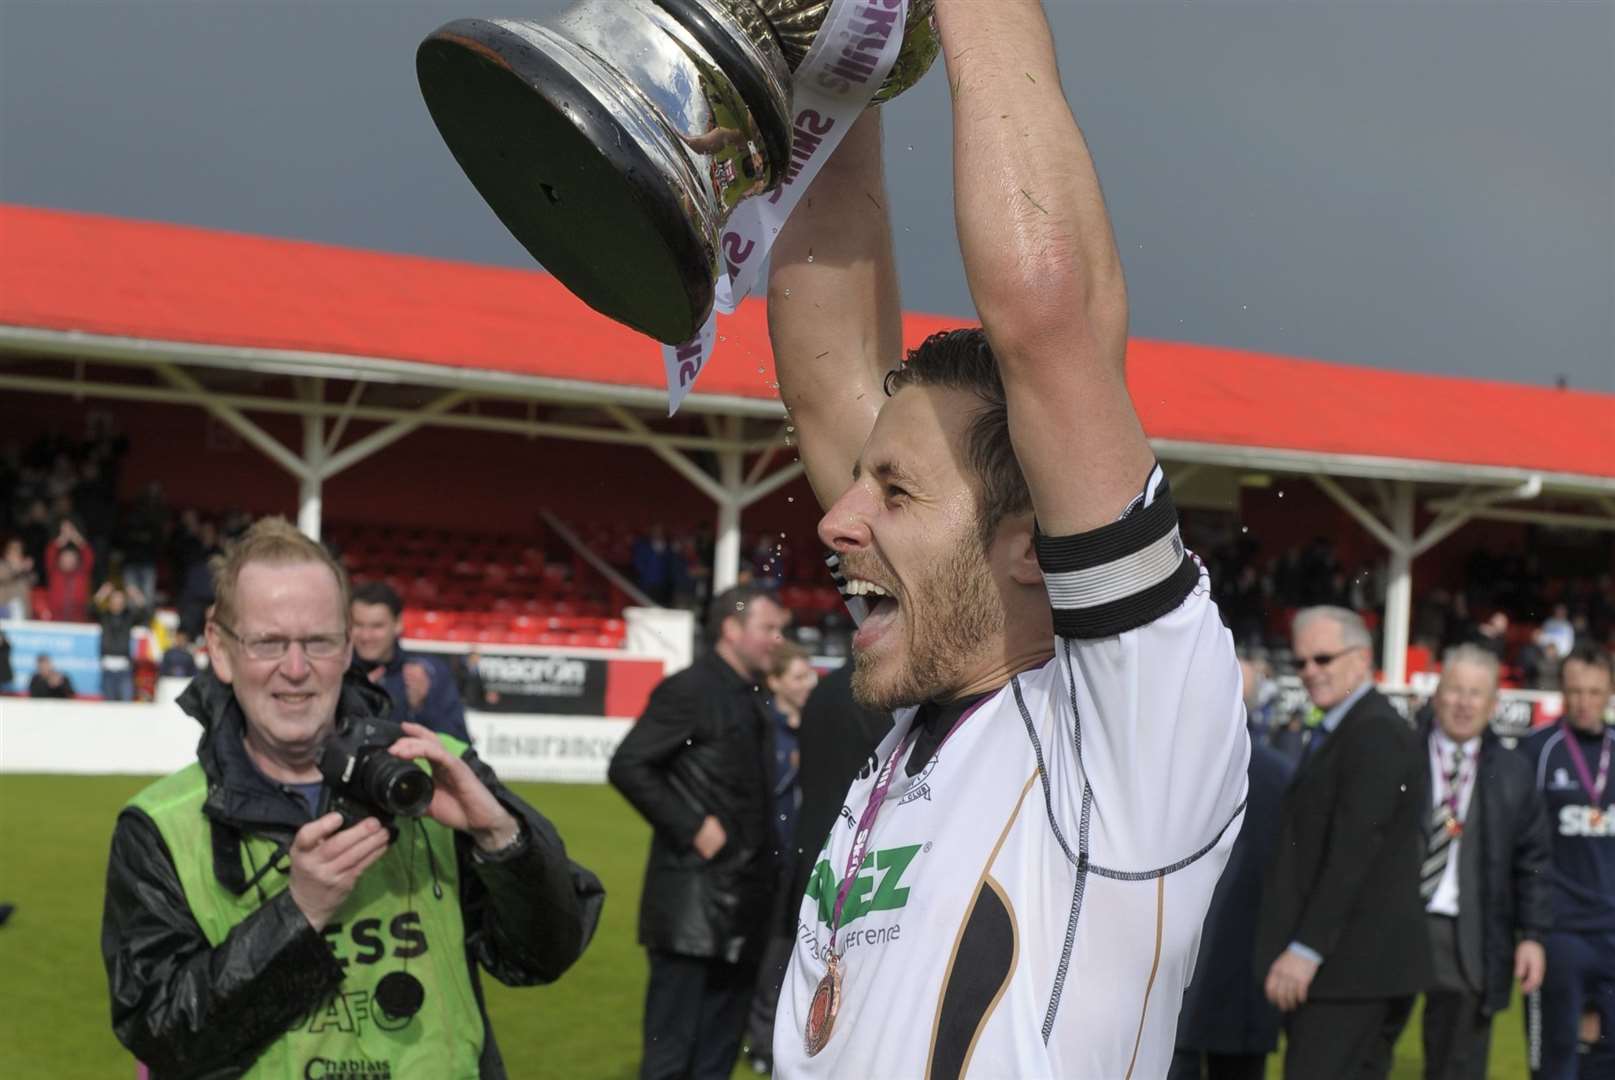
1453	780
866	823
1579	760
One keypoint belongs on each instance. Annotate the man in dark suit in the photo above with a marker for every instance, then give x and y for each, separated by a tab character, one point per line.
699	766
1486	874
1227	1026
1342	935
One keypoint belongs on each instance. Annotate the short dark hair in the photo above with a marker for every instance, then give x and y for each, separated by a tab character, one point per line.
1591	655
963	360
379	592
734	601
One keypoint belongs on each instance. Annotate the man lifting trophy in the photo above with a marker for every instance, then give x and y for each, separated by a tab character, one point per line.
616	140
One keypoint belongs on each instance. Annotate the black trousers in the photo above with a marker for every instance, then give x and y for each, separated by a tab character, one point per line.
1457	1033
765	999
1344	1040
695	1010
1195	1065
1581	975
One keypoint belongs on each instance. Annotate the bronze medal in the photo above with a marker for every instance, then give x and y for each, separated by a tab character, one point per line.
1455	828
821	1017
1595	817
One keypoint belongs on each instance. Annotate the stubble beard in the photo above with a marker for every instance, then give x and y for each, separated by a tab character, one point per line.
953	614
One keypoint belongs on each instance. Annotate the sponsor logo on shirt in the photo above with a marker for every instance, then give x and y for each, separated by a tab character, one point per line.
348	1013
878	885
346	1069
1586	821
404	931
1561	781
920	789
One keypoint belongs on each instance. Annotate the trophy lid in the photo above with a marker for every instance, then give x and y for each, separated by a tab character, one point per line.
571	176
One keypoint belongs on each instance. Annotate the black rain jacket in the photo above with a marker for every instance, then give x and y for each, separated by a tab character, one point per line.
188	1010
704	746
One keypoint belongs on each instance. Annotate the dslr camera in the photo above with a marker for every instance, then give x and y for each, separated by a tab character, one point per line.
363	780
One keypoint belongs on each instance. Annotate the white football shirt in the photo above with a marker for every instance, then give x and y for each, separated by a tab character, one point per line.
1030	903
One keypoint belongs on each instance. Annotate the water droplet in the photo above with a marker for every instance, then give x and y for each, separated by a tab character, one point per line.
810	258
787	292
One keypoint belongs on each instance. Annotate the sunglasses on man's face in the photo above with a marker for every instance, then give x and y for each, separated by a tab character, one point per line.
1321	660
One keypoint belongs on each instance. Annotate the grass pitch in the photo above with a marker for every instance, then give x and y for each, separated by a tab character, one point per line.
54	1020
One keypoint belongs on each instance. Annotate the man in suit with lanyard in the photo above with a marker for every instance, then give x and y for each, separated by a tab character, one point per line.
1342	934
1572	763
1485	879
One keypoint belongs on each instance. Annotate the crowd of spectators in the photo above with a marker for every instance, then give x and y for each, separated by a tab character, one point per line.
64	538
1508	605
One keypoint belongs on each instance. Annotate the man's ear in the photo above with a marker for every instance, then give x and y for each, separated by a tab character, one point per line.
218	655
1021	538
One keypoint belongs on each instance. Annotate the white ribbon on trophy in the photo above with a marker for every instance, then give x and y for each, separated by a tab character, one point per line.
829	91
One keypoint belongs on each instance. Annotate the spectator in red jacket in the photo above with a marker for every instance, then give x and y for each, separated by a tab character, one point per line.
69	563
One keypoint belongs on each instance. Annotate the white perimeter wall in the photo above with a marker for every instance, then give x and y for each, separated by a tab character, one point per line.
88	737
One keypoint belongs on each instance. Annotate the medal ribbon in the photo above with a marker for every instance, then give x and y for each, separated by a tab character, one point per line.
866	822
1579	760
829	91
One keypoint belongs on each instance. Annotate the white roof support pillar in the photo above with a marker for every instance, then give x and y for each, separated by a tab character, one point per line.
382	438
1402	546
320	459
257	436
1399	586
734	489
310	488
726	550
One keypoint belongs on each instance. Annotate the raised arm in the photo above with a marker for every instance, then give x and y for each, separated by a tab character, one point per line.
1041	264
834	315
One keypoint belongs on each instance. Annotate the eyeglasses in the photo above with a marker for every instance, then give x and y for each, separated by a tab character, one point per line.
317	647
1322	660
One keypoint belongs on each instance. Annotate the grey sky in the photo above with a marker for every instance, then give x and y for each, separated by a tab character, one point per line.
1427	186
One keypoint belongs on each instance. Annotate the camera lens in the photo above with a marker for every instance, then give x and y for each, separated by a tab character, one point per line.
409	791
397	787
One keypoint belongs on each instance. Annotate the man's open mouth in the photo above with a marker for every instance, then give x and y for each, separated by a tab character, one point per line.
882	608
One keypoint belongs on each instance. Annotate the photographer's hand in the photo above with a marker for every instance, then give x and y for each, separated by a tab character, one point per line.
460	801
327	861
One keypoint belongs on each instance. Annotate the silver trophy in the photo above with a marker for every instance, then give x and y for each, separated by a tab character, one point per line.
615	139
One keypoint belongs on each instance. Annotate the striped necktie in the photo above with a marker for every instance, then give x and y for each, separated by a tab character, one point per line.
1437	852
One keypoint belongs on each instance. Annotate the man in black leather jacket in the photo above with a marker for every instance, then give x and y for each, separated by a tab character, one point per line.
698	766
1485	879
220	961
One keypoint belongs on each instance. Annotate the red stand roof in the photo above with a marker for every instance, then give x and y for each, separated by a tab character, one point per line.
167	283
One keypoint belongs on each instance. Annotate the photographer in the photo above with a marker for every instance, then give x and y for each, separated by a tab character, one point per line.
247	929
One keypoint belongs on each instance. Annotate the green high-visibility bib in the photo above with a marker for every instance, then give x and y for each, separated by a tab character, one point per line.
391	922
